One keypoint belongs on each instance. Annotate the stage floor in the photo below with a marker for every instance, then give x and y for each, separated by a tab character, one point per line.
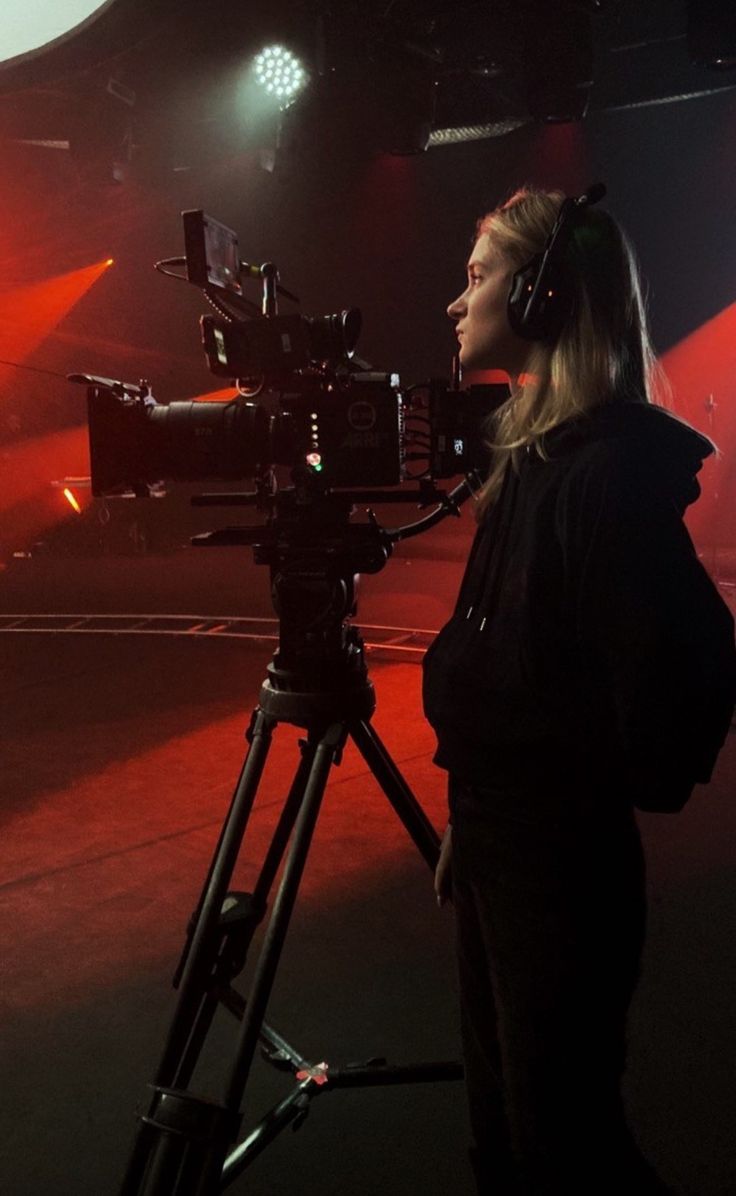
119	754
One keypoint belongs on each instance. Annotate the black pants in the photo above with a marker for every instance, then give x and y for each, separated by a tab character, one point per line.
550	909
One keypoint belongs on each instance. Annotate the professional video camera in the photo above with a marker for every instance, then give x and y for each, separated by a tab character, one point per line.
349	436
327	415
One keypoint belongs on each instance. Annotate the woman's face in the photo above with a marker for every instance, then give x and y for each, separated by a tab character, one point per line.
487	341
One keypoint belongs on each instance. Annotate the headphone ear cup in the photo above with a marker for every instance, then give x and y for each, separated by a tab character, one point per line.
522	285
544	320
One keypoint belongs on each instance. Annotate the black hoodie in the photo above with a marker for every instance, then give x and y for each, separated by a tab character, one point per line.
588	640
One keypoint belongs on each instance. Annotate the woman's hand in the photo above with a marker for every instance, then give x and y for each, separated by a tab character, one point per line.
443	871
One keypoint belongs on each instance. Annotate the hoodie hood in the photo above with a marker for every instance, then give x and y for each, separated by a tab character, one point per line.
665	444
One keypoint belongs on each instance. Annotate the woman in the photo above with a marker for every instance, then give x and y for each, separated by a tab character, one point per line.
589	667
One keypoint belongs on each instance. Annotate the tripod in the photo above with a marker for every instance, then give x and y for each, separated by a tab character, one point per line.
317	680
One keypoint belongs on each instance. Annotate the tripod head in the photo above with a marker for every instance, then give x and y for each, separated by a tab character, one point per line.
315	555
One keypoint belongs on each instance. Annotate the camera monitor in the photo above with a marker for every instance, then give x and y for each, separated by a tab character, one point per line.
213	257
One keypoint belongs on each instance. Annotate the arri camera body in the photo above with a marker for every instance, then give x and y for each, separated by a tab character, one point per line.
305	401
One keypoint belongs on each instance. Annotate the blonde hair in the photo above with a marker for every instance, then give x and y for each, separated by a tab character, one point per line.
604	351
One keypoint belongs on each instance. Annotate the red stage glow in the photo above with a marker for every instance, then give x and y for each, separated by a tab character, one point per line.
29	313
702	371
32	465
29	504
486	378
218	396
101	816
558	158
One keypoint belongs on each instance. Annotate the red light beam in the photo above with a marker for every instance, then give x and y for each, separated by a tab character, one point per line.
29	313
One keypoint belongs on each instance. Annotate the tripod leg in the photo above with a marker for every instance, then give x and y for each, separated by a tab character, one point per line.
205	938
253	730
182	1143
329	746
397	791
232	956
201	949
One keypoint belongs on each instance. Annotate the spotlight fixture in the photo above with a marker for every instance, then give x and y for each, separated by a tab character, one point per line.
280	73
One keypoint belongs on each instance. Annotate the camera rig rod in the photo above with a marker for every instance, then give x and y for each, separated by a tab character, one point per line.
447	503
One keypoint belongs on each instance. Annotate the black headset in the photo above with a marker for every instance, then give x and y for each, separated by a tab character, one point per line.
540	298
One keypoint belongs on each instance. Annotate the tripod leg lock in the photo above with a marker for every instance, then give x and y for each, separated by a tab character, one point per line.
268	726
187	1139
177	1112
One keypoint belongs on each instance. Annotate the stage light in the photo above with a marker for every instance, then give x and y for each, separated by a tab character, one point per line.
71	499
280	73
31	506
29	28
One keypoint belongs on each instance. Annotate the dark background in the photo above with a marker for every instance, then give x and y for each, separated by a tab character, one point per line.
119	752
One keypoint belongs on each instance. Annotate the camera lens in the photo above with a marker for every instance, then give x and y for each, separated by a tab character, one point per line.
212	439
334	337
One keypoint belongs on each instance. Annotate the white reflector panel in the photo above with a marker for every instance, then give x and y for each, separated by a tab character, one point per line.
27	26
